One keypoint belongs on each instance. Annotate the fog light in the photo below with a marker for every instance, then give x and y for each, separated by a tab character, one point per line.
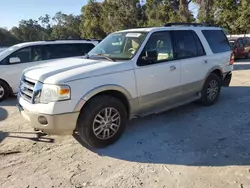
43	120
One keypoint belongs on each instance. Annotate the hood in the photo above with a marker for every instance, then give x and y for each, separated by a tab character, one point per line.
69	69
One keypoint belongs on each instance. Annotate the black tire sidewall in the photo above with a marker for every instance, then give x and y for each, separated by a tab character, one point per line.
85	125
6	90
204	97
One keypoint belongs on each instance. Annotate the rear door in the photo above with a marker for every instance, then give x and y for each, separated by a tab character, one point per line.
193	62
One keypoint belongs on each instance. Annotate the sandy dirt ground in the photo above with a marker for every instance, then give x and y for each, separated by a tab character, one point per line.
188	147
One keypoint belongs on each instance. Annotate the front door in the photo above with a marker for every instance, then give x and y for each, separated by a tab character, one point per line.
11	72
158	78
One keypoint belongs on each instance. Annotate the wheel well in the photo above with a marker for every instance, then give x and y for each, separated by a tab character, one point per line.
11	91
117	94
218	73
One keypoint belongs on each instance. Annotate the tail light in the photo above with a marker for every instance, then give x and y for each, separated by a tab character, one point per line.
232	59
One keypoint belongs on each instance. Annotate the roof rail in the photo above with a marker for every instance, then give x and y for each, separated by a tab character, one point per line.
74	39
189	24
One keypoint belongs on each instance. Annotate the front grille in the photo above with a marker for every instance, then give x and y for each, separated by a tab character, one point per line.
26	89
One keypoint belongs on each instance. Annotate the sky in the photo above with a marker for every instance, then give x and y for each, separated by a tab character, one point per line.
12	11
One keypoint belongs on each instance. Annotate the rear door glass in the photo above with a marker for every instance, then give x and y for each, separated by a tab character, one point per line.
84	48
55	51
217	40
187	44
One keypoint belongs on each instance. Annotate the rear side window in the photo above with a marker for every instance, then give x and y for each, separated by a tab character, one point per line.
55	51
84	48
187	44
217	41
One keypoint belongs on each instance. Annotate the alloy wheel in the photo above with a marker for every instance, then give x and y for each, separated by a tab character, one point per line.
106	123
1	91
212	90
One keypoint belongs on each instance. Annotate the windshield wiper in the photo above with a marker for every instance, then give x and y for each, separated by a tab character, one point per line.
101	55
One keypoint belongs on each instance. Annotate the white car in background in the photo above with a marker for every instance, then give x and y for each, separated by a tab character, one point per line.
15	59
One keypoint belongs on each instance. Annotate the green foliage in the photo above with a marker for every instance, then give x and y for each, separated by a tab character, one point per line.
66	26
232	15
243	19
7	38
226	13
120	14
61	26
206	11
91	22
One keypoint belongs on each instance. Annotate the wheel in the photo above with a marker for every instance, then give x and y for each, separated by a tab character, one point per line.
102	121
211	90
4	91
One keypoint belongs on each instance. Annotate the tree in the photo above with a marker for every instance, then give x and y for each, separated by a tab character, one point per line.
206	11
160	12
226	13
122	14
242	22
66	26
29	30
7	38
92	21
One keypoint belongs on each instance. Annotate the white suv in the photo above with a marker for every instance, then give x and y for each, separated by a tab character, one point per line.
131	73
15	59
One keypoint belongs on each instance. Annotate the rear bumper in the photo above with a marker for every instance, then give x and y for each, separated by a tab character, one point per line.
227	79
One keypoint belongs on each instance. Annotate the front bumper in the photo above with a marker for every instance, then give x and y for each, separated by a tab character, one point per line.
59	124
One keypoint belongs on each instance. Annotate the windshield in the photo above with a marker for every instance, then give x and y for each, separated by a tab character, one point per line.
119	46
6	50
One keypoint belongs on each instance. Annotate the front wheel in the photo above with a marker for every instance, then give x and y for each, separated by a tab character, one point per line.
4	91
211	90
102	121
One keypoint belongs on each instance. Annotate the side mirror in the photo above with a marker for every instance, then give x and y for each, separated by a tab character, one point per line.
13	60
150	55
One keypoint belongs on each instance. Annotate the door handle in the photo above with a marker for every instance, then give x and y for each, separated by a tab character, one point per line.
205	61
172	67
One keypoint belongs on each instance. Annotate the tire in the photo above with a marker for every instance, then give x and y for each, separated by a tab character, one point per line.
96	108
213	82
4	91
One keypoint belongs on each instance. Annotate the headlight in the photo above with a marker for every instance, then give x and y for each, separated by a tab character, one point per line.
53	93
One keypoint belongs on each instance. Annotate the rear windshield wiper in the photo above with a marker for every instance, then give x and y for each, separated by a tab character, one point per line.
102	55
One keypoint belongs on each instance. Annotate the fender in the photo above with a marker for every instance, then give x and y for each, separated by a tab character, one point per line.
217	67
11	90
100	89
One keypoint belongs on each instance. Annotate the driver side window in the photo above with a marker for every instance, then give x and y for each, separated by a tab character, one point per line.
25	55
158	49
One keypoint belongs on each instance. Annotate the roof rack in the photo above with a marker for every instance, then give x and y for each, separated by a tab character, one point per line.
75	39
190	24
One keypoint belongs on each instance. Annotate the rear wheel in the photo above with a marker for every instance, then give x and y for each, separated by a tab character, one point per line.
211	90
4	91
102	121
